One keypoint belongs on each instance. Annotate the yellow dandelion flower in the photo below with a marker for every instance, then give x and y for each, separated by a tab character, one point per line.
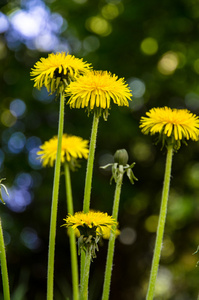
91	226
92	219
175	124
73	147
96	89
57	70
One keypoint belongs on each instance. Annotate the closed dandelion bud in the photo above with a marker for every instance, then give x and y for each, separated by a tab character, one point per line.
121	157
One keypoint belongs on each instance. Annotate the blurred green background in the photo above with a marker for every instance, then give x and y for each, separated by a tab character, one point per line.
154	45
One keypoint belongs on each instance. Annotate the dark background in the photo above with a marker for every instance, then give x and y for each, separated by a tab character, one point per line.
154	45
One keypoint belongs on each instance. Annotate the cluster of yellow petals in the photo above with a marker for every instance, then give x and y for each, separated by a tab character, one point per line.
72	147
50	71
91	219
96	89
179	123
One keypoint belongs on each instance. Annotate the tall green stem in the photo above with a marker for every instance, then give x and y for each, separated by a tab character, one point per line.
85	277
73	249
161	225
4	271
54	206
89	171
111	245
89	174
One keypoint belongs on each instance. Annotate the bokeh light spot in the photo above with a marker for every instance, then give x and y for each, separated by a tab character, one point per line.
142	152
46	42
137	86
151	223
149	46
7	119
4	24
33	160
18	199
105	159
99	26
192	101
168	63
16	142
26	23
168	248
127	236
30	238
193	176
17	107
33	142
42	95
91	43
164	283
3	50
110	11
24	180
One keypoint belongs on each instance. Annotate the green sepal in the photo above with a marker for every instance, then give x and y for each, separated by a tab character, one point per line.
130	173
5	189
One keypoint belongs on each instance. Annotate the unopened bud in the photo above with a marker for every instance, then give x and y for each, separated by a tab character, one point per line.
121	157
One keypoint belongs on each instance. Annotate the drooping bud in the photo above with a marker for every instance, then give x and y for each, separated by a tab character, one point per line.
121	157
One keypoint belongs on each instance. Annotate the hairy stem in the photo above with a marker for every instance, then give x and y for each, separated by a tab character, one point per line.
85	277
89	174
161	225
54	206
111	244
73	249
4	271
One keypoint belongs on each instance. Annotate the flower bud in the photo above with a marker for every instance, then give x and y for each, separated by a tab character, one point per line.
121	157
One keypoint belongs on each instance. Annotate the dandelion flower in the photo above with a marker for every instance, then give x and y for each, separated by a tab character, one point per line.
73	147
173	125
96	89
91	226
92	219
57	70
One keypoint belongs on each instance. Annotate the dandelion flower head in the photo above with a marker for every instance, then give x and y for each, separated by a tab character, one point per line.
57	71
73	147
173	125
91	227
92	219
96	89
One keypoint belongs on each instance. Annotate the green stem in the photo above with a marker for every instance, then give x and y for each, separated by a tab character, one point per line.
85	277
4	271
73	249
161	225
89	174
89	171
54	206
69	197
111	245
